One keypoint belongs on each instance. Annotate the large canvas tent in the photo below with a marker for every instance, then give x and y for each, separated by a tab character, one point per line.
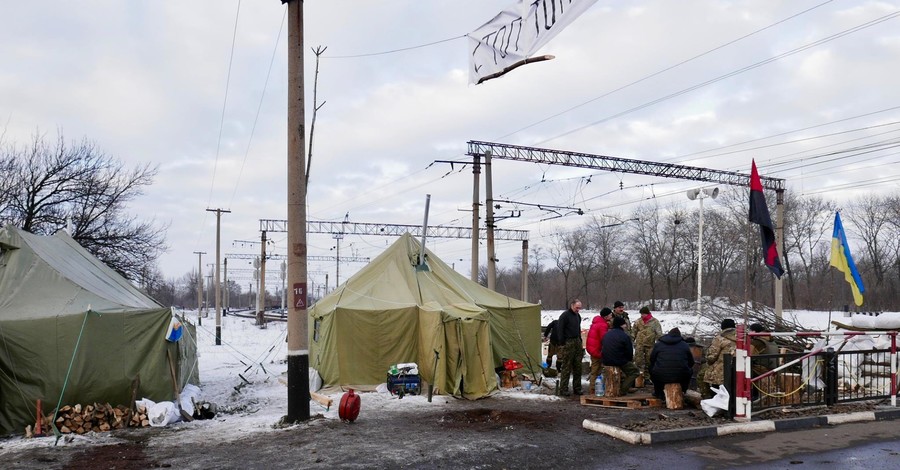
69	322
396	310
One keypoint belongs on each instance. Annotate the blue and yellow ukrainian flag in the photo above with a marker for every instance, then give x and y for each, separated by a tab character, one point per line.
843	260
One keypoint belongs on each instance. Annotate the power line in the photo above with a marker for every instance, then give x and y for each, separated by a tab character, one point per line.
259	107
402	49
212	184
671	67
733	73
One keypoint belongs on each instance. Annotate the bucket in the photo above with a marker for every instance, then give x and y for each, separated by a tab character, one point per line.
526	385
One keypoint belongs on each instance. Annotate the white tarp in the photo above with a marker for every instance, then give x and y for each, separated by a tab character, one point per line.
517	32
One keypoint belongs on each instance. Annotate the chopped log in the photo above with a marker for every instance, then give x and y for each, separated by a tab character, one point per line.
65	430
674	396
508	379
612	379
77	408
790	383
692	397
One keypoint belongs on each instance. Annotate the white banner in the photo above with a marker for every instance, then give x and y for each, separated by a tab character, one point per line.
517	32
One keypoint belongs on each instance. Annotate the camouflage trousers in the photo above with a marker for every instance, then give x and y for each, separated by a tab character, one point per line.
572	355
642	359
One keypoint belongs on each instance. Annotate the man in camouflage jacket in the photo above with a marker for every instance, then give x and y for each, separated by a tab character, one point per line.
724	343
646	331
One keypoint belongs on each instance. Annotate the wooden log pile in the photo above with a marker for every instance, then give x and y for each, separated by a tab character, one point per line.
97	417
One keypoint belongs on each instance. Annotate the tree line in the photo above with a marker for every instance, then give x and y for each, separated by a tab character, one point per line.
649	256
652	258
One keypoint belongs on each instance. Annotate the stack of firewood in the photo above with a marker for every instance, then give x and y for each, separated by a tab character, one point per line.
98	417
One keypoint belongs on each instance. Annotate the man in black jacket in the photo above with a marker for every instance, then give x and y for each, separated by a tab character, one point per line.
671	361
618	351
553	346
569	334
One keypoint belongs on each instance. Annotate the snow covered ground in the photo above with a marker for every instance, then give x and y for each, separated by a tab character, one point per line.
246	377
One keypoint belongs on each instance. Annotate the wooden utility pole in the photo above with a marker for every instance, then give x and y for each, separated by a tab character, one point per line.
218	276
298	329
200	286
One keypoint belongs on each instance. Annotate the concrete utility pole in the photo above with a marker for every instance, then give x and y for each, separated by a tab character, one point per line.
200	286
489	223
524	270
226	300
261	299
298	329
218	277
476	173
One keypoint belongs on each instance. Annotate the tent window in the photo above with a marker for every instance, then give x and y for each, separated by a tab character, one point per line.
316	323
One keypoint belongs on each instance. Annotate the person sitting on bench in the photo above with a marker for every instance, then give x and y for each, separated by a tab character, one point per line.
671	361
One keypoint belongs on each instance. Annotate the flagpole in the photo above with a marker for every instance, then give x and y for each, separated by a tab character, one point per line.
747	269
779	243
830	300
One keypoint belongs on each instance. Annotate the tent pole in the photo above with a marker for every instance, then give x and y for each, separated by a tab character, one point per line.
424	230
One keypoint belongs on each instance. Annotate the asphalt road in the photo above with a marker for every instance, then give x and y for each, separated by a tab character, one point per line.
486	434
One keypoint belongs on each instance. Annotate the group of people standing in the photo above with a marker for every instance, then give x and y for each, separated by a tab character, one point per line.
639	349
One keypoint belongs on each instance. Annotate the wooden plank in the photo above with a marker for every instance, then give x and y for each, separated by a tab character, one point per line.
637	401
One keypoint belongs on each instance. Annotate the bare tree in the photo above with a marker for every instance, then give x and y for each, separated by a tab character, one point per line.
806	239
606	240
870	221
50	182
563	254
645	244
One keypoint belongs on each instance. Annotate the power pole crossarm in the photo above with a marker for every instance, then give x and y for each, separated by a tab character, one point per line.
617	164
391	230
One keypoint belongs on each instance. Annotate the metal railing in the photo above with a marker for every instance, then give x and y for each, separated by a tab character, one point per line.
823	376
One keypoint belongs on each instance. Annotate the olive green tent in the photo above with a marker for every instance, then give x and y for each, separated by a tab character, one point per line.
397	311
70	323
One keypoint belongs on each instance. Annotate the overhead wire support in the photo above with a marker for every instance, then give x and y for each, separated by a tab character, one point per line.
391	230
617	164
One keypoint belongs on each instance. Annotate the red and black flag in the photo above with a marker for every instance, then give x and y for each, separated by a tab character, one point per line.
759	214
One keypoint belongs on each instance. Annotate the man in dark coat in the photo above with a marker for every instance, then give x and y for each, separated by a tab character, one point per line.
553	346
618	351
671	361
569	326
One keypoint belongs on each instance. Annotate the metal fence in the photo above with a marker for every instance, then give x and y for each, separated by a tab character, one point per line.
820	377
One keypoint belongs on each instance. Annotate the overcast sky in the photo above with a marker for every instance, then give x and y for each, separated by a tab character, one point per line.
704	83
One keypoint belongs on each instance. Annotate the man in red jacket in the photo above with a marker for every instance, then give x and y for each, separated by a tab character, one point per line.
599	327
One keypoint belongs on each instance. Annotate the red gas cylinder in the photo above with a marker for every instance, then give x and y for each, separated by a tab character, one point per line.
349	407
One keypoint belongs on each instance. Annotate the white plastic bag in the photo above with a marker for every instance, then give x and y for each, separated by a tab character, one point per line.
189	395
713	405
315	380
163	413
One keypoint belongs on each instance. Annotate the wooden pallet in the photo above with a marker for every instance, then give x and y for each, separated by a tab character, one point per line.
632	401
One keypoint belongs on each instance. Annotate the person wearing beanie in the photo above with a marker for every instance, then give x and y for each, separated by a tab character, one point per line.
724	343
599	327
671	361
646	331
618	351
572	349
619	311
